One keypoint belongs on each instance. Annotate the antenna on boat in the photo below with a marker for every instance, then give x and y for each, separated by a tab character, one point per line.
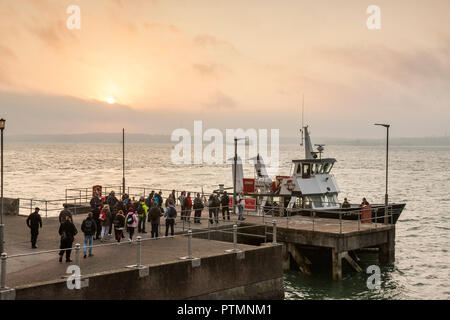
303	111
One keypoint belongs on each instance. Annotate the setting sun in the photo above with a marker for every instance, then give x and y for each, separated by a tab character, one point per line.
111	100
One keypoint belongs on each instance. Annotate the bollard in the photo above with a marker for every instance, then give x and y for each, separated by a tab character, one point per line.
77	254
3	278
189	244
235	238
274	231
139	247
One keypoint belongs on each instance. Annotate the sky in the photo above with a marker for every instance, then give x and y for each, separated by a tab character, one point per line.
152	66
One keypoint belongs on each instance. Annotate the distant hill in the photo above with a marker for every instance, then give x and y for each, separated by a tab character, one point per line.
147	138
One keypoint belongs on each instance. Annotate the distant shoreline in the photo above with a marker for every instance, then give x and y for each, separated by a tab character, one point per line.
163	139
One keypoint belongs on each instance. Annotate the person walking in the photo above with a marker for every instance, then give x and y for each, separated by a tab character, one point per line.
89	228
65	212
225	201
34	222
198	207
67	231
119	225
155	218
131	221
105	220
142	213
170	214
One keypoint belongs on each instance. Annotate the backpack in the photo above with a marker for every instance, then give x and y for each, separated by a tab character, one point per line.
172	212
140	210
116	222
102	216
130	219
88	226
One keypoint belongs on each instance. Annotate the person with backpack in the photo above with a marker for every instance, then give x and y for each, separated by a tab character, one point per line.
142	213
96	216
89	228
67	231
170	214
154	218
119	225
131	221
225	201
34	221
105	220
198	207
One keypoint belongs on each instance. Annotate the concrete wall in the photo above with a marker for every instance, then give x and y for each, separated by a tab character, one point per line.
10	207
252	274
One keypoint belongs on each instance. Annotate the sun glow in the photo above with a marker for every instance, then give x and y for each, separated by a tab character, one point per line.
111	100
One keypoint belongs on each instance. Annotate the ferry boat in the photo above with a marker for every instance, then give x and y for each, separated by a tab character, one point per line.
310	189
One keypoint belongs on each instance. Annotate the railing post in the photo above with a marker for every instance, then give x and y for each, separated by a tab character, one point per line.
46	209
189	244
274	231
359	221
3	277
77	254
209	229
340	222
139	252
235	237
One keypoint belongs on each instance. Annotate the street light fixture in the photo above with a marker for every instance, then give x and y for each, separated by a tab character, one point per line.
387	170
2	127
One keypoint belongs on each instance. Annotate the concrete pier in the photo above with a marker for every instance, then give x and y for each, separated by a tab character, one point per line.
213	273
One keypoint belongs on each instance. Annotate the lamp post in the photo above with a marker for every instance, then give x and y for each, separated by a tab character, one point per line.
2	127
235	171
387	170
123	161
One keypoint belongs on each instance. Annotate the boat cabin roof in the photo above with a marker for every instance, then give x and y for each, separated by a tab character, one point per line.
323	160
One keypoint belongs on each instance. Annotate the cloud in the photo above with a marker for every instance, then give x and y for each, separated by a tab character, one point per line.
221	100
207	40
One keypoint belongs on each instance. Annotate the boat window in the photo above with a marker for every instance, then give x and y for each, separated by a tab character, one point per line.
299	169
332	201
307	202
292	169
314	168
320	169
327	167
306	170
317	201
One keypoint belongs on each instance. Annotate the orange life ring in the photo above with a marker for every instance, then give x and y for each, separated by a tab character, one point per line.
289	185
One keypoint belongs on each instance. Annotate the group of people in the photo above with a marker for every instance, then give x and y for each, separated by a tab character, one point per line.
111	214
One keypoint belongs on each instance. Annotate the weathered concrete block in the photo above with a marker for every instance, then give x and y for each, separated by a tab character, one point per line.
10	207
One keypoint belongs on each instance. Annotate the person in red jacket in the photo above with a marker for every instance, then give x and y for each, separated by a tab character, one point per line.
188	207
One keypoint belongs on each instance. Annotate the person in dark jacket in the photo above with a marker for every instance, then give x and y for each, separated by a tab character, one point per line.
96	216
346	204
155	218
94	202
160	199
89	228
170	214
225	201
67	231
113	203
65	212
198	207
34	222
119	225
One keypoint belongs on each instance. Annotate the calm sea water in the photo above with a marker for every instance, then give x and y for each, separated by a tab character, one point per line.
419	176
